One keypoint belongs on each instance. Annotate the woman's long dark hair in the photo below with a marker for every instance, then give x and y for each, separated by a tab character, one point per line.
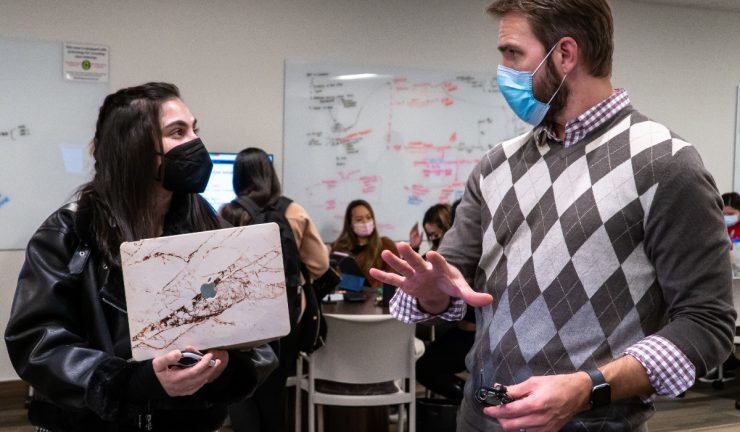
254	177
122	194
348	240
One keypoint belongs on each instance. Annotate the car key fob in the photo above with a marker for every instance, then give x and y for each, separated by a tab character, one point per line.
493	396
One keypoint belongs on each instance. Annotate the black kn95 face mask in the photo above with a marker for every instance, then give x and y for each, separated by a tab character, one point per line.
186	168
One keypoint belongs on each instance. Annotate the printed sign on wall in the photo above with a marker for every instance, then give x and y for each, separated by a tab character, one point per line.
85	62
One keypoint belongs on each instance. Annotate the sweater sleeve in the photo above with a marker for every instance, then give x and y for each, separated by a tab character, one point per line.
686	241
462	244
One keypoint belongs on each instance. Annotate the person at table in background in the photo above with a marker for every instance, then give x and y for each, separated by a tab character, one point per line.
360	238
444	357
68	333
255	178
731	210
594	243
437	220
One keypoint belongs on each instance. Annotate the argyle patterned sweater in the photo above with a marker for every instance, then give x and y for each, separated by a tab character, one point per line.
586	250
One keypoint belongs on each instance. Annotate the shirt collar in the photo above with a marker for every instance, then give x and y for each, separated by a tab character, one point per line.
592	118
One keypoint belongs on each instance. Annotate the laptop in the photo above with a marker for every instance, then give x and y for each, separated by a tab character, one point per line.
351	276
213	289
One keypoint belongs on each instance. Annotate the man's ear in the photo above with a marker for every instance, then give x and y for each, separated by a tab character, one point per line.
566	55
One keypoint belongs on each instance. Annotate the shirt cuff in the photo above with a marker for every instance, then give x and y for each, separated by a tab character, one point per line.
669	370
406	309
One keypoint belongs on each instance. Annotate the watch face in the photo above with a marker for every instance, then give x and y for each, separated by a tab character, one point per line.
601	395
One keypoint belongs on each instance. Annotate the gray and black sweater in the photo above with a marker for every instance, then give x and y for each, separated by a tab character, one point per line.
587	250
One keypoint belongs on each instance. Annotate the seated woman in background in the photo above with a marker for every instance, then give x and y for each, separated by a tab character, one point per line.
360	238
437	220
255	178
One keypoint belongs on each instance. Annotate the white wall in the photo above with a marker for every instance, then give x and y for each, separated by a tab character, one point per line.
682	67
227	57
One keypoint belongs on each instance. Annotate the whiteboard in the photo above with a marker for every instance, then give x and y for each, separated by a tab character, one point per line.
402	139
46	124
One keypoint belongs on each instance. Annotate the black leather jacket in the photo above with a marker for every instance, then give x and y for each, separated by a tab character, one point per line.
68	337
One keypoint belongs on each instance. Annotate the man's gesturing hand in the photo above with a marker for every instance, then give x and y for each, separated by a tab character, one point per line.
432	282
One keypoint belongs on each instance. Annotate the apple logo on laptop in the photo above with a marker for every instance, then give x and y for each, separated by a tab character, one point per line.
208	289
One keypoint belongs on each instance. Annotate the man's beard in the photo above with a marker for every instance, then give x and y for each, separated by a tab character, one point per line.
547	86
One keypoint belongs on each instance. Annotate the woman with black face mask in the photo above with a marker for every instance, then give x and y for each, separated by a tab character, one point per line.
437	220
68	333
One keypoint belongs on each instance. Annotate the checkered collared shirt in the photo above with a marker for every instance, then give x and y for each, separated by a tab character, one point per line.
592	118
669	370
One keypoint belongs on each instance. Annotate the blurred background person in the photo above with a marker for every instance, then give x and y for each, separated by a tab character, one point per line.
444	356
360	239
437	220
255	178
731	211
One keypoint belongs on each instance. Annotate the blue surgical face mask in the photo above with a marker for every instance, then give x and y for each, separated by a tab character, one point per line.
731	220
517	89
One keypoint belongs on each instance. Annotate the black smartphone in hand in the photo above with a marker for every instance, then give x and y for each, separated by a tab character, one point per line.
190	358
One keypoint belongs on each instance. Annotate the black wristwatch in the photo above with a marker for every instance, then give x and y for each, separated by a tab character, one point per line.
601	391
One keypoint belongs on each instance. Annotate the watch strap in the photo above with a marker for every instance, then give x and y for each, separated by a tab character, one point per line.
601	392
597	378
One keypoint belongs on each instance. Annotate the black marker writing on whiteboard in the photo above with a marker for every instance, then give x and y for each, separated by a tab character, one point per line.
15	133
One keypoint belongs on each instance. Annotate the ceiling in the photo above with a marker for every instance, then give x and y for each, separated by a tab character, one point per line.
732	5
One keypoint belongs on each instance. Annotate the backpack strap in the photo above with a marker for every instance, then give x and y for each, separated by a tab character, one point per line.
248	204
281	205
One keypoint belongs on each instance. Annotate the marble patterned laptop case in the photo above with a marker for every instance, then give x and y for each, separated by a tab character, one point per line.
222	288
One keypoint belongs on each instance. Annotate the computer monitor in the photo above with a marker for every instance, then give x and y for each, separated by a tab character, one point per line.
220	189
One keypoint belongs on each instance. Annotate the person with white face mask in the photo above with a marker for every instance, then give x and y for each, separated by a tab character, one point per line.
731	211
360	238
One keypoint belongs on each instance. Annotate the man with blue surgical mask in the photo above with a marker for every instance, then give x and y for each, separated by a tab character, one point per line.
517	87
591	247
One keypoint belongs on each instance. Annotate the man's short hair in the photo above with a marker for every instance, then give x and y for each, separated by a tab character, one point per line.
588	22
